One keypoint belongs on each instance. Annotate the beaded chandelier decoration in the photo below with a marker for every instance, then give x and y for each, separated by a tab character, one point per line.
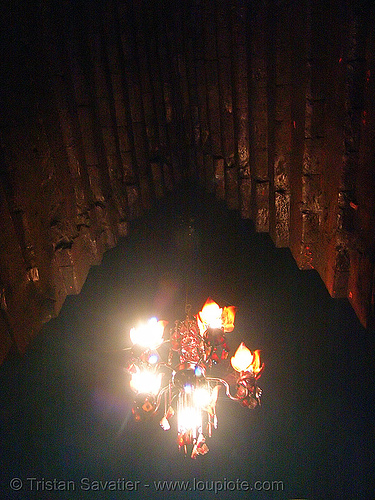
180	386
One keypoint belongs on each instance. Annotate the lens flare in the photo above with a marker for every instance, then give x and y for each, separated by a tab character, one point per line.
145	382
148	334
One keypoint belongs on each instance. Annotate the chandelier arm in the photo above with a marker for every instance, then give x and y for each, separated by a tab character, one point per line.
174	397
158	400
226	385
184	389
162	363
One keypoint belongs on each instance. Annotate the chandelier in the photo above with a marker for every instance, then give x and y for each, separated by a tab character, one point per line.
180	385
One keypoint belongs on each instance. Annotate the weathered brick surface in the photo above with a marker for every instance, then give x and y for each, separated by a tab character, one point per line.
211	76
270	105
280	158
261	218
362	198
225	83
258	116
219	167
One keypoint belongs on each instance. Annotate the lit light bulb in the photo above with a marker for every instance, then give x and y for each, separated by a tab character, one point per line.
202	397
198	372
153	358
209	316
242	359
148	335
187	388
145	382
213	316
189	419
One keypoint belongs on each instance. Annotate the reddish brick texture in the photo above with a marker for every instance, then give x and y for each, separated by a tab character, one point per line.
270	106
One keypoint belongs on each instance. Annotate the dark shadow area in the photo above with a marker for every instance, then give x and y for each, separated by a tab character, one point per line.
66	406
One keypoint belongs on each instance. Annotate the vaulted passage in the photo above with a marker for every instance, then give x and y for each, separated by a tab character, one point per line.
66	404
109	106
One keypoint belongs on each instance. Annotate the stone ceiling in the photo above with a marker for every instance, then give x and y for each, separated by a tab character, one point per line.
109	106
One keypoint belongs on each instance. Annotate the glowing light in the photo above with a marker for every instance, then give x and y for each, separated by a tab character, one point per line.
242	359
227	318
189	419
187	388
202	397
153	358
145	382
256	362
164	424
148	335
179	383
213	316
209	316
